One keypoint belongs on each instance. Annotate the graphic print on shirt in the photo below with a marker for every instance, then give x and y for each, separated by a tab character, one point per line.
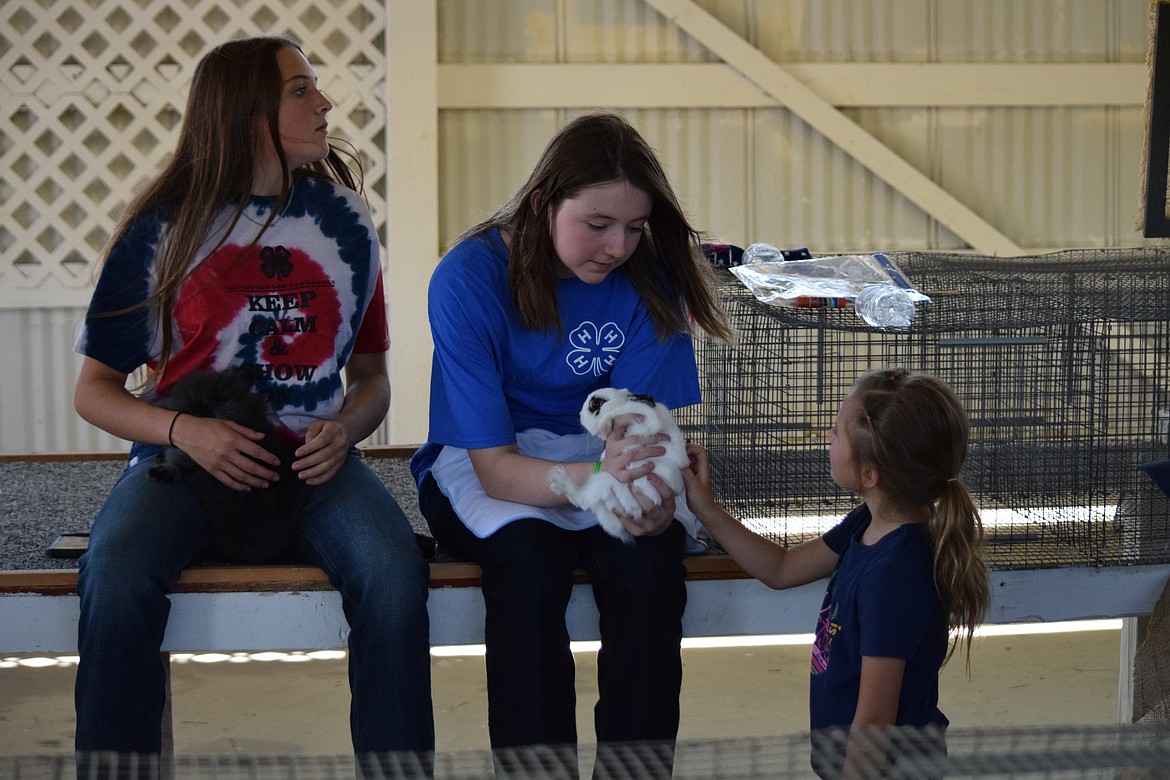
594	348
273	309
827	628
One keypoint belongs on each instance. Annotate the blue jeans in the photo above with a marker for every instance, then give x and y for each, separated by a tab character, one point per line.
528	574
147	532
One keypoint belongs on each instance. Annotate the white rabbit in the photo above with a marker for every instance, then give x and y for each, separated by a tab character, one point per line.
605	495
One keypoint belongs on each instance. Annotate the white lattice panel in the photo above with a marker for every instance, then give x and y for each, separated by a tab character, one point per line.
91	95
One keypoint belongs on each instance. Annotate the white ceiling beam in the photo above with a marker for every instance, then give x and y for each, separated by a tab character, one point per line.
844	85
976	84
839	129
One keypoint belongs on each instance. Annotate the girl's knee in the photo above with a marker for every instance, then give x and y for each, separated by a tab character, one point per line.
649	571
119	575
396	581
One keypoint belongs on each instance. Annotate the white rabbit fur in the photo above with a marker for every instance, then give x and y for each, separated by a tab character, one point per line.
602	493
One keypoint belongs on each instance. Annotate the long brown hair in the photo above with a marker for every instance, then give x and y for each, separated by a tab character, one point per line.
667	268
912	429
234	85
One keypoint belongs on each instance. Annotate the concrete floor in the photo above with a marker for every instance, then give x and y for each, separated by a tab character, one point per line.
296	704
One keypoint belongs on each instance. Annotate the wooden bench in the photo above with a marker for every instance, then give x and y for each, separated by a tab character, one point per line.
244	608
240	608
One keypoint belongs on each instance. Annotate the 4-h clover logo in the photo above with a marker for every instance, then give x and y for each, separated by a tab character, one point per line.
594	348
276	261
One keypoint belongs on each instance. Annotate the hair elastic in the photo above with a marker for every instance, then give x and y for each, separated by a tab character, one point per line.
171	430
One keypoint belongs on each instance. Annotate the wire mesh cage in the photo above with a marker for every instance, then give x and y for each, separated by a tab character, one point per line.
1061	362
1065	752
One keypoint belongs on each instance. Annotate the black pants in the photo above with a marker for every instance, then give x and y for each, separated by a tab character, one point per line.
528	575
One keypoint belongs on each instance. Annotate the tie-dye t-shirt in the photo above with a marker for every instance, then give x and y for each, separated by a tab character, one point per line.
292	307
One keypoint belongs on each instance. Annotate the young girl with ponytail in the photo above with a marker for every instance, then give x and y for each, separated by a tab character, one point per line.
905	566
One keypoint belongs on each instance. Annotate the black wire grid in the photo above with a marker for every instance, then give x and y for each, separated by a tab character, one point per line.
1066	752
1060	360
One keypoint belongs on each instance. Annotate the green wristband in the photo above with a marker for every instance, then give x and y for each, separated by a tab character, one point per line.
597	467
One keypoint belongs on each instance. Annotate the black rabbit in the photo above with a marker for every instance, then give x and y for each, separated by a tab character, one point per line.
254	526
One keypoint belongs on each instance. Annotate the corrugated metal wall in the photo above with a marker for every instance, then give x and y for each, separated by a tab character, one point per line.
1057	174
36	385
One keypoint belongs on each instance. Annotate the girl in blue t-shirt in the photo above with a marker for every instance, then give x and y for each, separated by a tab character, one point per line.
906	565
590	276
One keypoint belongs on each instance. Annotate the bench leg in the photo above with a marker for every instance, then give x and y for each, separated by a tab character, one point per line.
166	759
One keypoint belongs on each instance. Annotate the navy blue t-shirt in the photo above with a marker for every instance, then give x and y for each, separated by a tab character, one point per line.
881	601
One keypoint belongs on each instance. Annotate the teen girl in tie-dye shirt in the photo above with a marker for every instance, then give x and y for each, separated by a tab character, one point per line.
252	248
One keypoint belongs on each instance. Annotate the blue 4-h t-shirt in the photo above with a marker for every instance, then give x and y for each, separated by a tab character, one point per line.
881	601
492	378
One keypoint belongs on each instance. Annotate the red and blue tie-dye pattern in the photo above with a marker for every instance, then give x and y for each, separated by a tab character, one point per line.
291	307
